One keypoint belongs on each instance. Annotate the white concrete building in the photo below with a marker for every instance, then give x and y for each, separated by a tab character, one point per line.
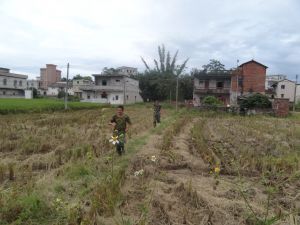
54	89
129	71
285	89
12	85
272	79
33	84
113	89
78	84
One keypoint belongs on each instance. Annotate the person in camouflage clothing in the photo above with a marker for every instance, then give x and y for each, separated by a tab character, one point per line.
120	123
156	113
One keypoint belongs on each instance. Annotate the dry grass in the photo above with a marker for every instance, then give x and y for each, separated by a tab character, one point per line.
64	156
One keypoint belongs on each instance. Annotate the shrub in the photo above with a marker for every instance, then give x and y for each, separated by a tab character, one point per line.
255	101
211	100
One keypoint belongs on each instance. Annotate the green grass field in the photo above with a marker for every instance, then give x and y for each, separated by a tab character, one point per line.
40	105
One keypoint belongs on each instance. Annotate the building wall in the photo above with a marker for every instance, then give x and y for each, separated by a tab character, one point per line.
12	82
33	84
49	75
253	79
285	89
212	90
298	93
12	85
11	93
115	88
53	91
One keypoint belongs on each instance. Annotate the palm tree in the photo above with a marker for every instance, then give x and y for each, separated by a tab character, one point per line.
165	65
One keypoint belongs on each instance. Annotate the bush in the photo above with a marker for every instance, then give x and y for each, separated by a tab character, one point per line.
256	101
211	100
61	94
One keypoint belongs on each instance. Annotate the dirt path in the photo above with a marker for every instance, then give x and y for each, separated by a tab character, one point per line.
177	188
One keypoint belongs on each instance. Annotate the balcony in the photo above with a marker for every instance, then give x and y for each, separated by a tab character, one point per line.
212	90
102	88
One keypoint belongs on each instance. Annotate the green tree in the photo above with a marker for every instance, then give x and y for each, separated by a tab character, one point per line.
159	82
256	101
166	64
212	100
213	65
34	92
79	77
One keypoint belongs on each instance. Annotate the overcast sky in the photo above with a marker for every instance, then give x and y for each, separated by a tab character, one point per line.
93	34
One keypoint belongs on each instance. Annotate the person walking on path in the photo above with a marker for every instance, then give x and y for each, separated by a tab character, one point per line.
156	113
120	123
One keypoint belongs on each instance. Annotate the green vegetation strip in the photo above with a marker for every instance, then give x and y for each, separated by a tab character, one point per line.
8	106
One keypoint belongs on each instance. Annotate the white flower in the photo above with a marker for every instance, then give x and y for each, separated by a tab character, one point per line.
153	158
139	173
114	140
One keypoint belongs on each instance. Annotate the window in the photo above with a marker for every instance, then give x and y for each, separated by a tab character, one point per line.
14	93
4	93
282	95
104	82
88	96
127	97
117	80
283	86
15	83
4	81
78	82
20	83
117	97
103	95
220	84
201	82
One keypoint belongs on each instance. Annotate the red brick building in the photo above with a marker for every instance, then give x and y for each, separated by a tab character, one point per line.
250	77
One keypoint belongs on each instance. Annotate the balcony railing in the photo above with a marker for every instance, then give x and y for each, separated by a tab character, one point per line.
212	90
102	88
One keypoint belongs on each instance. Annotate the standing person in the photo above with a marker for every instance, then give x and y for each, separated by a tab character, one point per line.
120	123
156	113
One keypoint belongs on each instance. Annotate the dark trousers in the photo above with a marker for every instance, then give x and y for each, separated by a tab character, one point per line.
156	119
120	147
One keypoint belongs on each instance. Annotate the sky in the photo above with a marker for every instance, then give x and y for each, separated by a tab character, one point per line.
93	34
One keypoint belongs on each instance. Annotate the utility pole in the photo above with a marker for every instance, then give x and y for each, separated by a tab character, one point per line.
237	81
177	93
66	89
295	92
124	100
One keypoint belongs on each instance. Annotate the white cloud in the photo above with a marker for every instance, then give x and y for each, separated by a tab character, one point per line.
93	34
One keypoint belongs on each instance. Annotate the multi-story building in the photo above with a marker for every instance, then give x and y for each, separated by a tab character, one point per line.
216	84
78	84
114	88
229	85
49	75
249	78
285	89
272	79
54	89
129	71
12	85
33	84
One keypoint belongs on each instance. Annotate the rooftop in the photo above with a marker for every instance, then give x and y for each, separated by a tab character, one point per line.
253	61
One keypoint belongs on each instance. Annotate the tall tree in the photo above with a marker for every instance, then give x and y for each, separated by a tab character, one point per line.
164	64
213	65
159	82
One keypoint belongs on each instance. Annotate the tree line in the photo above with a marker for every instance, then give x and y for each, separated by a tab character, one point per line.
159	81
